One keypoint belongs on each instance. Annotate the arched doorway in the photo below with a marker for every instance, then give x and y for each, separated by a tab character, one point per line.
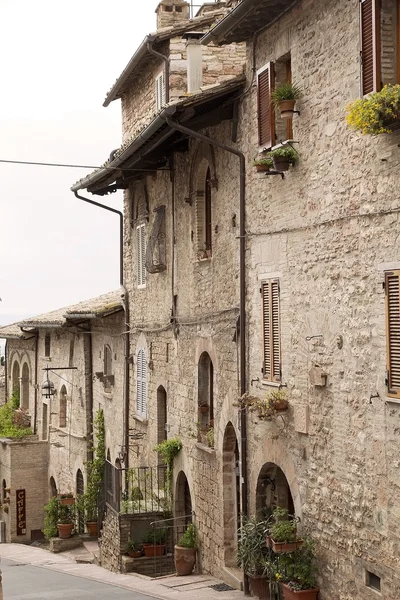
53	487
25	387
183	504
273	490
231	494
80	489
15	383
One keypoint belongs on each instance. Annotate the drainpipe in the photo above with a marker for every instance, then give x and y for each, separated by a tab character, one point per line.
165	59
242	234
125	305
5	372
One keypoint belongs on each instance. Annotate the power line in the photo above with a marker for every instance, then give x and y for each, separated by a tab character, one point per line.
66	165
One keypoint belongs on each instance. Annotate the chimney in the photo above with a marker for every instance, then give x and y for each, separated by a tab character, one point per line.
194	53
171	12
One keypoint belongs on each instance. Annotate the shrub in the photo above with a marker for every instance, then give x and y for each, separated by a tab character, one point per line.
189	538
374	115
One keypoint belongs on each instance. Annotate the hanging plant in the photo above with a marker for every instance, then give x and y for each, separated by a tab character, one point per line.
169	449
377	113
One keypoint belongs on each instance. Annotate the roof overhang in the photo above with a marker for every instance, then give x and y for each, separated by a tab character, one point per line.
150	149
247	18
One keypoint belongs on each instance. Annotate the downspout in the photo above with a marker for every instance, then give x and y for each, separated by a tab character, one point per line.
5	371
242	254
125	305
165	59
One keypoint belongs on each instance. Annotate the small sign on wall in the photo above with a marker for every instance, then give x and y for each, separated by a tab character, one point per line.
21	512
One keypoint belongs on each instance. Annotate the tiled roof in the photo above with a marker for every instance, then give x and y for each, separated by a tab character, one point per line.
95	307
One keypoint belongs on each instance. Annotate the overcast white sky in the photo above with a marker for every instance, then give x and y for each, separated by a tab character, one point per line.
58	60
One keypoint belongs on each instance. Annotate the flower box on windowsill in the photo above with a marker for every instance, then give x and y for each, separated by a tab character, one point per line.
279	547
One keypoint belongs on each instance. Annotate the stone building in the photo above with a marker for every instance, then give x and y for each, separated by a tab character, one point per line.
308	261
83	348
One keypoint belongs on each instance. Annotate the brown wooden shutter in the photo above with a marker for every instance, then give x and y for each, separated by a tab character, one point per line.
370	46
289	122
271	331
392	290
266	114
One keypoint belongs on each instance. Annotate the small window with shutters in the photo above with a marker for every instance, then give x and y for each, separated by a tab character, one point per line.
141	383
271	331
380	44
392	296
160	91
141	255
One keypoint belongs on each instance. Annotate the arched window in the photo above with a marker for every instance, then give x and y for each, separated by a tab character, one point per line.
141	383
63	407
15	383
25	387
204	211
205	386
53	487
107	361
47	345
207	213
80	488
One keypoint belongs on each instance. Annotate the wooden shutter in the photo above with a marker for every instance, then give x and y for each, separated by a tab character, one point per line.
141	383
266	113
289	122
160	91
141	255
271	330
392	292
370	16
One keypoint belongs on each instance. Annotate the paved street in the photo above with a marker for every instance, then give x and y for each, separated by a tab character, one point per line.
26	582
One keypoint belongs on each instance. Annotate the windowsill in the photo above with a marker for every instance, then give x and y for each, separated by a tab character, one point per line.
262	149
205	448
141	419
108	395
389	400
141	287
274	384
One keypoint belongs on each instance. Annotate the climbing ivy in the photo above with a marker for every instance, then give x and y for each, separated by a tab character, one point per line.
169	449
95	471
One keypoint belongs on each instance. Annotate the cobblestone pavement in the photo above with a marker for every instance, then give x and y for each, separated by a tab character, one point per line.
39	572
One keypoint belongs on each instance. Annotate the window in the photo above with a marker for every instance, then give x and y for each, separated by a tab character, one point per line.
160	91
392	296
107	361
141	383
204	212
380	47
63	408
141	255
205	397
47	345
373	581
272	129
271	330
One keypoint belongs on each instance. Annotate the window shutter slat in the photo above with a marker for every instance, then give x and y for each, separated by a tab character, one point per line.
276	344
266	115
370	45
271	331
141	255
392	286
141	382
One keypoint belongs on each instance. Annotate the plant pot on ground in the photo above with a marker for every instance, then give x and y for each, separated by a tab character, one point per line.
284	97
263	164
154	542
185	551
65	523
133	549
254	557
297	572
283	157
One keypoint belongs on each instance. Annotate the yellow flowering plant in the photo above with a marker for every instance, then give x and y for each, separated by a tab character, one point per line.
376	113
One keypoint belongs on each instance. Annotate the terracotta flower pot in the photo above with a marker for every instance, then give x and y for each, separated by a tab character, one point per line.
67	501
278	547
262	168
134	553
281	163
93	528
151	550
185	559
287	107
259	586
289	594
281	405
203	409
65	530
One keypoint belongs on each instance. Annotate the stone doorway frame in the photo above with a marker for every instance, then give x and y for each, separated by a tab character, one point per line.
231	494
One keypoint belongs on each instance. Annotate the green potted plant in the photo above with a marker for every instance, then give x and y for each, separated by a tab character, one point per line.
185	551
67	499
284	97
51	511
154	542
377	113
278	400
263	163
283	531
254	557
133	549
297	573
283	157
65	523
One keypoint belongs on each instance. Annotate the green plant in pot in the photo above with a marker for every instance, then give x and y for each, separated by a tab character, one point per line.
283	531
255	558
284	97
297	573
185	551
65	522
133	548
283	157
154	541
51	510
263	163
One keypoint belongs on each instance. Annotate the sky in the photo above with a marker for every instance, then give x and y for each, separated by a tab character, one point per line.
58	60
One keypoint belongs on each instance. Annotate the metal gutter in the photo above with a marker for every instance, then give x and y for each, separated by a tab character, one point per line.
165	59
228	22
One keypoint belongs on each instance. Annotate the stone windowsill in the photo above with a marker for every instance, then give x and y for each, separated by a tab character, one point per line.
205	448
141	419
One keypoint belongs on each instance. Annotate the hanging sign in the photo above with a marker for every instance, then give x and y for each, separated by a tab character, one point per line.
21	512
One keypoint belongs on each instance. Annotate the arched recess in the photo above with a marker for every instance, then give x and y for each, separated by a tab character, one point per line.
24	390
15	378
53	487
80	489
63	407
231	494
161	414
205	394
183	503
273	490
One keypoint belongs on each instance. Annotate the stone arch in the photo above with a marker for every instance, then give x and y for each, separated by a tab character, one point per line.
204	155
62	415
161	414
205	394
139	202
231	493
15	377
183	502
24	386
52	487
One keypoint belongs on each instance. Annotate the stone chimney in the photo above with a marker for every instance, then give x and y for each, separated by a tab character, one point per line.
194	61
171	12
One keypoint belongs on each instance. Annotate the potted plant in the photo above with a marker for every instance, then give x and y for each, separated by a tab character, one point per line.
278	400
67	499
154	542
51	510
377	113
65	523
283	157
185	551
203	408
297	573
284	97
134	549
263	163
255	558
283	532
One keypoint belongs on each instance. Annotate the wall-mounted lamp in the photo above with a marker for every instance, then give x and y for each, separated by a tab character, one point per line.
48	389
